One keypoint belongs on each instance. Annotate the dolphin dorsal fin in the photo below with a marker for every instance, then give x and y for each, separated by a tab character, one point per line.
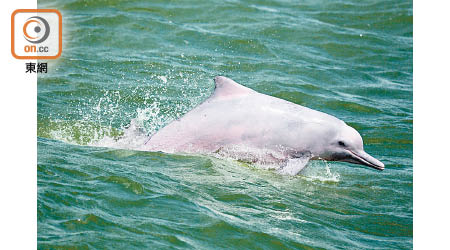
227	88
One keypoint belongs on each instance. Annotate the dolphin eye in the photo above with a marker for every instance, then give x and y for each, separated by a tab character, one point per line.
341	143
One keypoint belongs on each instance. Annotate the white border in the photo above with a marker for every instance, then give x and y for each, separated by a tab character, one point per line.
431	133
431	124
18	95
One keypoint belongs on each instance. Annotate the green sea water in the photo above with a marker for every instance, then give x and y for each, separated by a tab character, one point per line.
153	61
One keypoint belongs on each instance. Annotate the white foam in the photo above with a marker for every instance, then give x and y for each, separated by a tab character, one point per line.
319	170
163	79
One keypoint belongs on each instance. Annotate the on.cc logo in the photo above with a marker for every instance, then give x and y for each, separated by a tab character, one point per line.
36	34
40	27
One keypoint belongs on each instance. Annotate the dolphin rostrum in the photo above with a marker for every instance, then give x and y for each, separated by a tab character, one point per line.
242	124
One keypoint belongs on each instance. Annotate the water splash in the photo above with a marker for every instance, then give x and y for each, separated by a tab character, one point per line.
136	134
131	136
319	170
124	116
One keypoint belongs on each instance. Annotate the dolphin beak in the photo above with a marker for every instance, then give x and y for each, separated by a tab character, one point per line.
363	158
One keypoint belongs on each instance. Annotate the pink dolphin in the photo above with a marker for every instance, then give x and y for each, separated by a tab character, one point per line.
240	123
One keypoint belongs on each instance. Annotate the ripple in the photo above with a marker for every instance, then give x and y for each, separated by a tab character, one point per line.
128	184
